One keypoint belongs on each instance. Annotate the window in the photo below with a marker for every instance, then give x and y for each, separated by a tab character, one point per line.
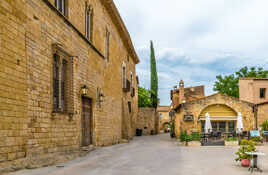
61	83
231	126
107	44
88	22
262	92
124	80
61	6
222	126
202	126
160	115
214	126
131	79
129	106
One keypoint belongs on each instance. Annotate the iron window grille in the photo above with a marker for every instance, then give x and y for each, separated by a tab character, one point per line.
62	83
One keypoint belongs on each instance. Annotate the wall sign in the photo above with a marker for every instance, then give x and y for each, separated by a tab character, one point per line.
188	117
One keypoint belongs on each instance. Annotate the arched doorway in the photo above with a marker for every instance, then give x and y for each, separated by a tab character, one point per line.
166	127
223	118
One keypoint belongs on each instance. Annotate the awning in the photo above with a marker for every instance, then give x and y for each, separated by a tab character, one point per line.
220	118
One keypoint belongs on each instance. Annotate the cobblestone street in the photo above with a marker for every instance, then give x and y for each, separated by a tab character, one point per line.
152	155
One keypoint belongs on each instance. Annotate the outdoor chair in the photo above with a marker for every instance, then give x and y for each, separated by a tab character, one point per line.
234	134
219	135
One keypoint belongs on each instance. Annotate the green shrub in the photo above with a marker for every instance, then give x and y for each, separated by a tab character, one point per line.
256	139
231	139
244	142
196	136
188	138
264	126
183	136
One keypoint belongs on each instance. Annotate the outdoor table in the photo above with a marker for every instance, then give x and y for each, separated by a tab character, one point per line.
254	161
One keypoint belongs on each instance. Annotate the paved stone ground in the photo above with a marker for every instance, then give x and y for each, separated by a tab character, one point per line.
153	155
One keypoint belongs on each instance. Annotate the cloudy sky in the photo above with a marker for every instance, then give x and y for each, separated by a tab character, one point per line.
195	40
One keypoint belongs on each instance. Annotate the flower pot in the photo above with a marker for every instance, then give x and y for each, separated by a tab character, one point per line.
245	162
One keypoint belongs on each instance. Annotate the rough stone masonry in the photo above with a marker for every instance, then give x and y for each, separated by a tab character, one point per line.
31	33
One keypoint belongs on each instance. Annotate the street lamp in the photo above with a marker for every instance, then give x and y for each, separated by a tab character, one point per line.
84	90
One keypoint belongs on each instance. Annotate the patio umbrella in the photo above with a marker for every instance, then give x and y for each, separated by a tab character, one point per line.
208	127
239	123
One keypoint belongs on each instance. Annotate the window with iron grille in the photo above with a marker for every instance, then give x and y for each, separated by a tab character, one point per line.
62	83
61	6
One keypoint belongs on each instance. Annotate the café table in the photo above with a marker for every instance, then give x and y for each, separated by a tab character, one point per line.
254	161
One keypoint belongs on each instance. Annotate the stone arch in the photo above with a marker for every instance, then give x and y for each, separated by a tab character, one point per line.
223	106
165	125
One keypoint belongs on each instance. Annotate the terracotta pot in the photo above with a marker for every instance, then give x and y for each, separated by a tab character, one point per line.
245	162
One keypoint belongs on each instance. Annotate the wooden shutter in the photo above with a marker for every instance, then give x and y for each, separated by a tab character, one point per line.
55	82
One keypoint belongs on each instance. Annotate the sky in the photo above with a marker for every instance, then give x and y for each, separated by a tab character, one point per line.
196	40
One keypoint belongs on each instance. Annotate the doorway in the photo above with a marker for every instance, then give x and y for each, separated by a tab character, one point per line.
87	122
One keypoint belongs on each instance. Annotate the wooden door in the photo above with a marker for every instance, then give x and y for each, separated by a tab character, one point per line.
87	122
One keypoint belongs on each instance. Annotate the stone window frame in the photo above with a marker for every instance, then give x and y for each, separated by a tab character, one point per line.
89	22
64	63
62	6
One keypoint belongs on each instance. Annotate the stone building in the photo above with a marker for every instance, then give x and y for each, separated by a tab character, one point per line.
164	118
223	110
254	90
67	77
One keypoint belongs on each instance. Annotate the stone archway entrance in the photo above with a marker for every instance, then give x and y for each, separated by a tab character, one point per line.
166	127
223	118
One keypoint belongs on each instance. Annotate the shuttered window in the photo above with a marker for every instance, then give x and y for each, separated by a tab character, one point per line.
63	83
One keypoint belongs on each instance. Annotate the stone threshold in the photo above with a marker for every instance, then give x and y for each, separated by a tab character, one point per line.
43	160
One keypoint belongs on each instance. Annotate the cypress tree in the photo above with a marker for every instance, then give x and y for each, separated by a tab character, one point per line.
154	78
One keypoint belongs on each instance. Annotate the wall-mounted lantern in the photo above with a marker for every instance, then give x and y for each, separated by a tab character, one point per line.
100	97
84	90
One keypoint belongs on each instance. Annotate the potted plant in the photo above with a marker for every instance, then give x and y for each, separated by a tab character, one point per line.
246	146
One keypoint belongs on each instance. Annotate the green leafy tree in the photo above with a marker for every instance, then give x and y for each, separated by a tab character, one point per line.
144	97
229	84
154	78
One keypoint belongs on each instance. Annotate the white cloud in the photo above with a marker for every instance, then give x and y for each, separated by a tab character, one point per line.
196	40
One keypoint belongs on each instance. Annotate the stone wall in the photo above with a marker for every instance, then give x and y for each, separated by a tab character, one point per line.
196	107
262	113
28	31
148	121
